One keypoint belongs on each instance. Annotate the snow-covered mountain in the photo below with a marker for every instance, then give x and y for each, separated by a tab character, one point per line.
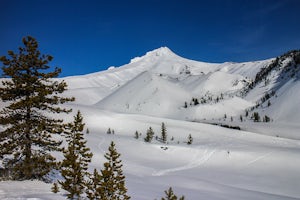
164	84
260	161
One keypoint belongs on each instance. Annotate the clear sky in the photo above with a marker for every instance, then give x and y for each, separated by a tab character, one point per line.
87	36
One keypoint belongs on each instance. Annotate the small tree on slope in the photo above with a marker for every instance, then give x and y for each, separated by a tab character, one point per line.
149	135
171	196
94	189
31	94
112	184
163	133
76	159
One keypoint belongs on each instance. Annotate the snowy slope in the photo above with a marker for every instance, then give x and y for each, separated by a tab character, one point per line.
257	162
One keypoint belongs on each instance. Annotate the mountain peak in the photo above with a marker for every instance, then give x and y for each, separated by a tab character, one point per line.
159	52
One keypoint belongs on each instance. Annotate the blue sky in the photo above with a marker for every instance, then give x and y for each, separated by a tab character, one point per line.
91	35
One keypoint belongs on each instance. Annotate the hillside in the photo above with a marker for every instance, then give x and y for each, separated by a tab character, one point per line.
260	161
163	84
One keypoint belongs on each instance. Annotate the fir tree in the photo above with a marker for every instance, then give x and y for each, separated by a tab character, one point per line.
94	189
108	131
171	196
76	159
185	104
163	133
190	139
136	135
55	188
149	135
266	119
256	117
112	183
31	94
196	102
246	113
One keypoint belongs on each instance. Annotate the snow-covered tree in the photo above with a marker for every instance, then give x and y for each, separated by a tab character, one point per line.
136	135
55	188
77	156
190	139
94	189
171	196
149	135
163	133
256	117
31	94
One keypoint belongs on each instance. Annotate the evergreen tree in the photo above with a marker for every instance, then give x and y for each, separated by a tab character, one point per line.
171	196
185	104
94	189
76	159
266	119
108	131
55	188
136	135
163	133
190	139
31	94
112	183
196	102
246	113
256	117
149	135
269	103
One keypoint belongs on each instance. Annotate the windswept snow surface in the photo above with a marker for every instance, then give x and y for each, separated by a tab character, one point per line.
259	162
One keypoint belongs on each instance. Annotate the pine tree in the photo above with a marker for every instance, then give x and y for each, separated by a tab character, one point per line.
55	188
31	94
108	131
163	133
256	117
266	118
246	113
112	178
190	139
94	189
76	159
136	135
171	196
149	135
185	104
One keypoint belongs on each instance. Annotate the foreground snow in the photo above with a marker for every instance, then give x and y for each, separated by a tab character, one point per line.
220	164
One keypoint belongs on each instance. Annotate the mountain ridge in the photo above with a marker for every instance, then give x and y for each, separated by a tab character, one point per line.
216	87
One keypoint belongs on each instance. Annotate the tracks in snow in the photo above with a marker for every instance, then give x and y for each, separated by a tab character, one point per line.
198	161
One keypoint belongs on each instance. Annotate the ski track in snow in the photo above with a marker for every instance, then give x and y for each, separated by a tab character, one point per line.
102	140
258	158
195	163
